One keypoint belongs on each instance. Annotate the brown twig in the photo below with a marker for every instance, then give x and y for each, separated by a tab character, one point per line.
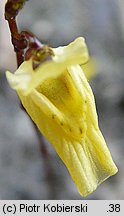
12	8
22	41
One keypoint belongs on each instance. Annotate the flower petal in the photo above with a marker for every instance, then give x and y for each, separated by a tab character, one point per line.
22	77
87	158
27	79
75	53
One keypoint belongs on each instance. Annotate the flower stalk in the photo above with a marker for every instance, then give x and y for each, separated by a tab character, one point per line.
20	40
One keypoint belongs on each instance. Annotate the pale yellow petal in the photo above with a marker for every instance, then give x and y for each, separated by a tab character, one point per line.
88	161
86	157
75	53
27	79
22	76
71	106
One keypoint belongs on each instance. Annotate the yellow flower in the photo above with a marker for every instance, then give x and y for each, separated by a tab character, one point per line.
60	101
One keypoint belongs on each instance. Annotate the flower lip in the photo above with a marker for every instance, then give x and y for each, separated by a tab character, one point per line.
72	54
26	79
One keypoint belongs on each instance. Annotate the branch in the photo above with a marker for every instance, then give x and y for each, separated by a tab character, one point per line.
22	41
12	9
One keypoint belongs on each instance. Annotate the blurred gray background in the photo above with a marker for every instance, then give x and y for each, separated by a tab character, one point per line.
24	173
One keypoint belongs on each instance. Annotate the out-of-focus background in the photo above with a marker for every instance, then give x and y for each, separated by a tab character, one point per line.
24	174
